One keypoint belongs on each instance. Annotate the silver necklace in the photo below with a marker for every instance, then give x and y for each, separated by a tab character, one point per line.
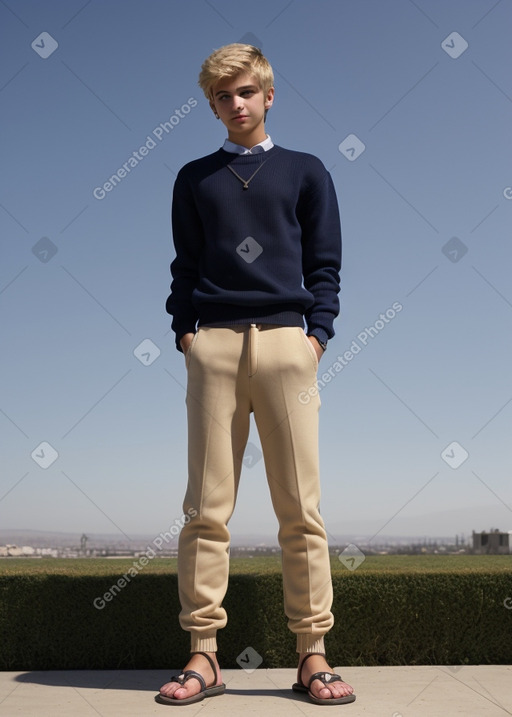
245	182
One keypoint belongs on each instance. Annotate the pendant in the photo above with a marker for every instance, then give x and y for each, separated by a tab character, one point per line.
246	186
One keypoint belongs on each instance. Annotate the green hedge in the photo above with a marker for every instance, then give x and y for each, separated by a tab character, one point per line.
48	621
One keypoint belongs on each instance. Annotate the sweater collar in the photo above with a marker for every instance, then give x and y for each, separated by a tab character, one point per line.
233	148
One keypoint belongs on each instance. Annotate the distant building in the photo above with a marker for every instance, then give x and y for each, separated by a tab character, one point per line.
492	543
13	551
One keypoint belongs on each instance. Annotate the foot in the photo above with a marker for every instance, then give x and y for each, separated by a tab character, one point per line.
318	663
199	664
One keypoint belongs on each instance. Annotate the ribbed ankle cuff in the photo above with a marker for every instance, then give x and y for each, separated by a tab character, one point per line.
203	644
310	643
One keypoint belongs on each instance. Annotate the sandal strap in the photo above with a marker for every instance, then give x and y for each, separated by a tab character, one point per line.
212	664
310	654
187	675
325	677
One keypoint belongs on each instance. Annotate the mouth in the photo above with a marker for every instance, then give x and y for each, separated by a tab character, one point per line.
240	117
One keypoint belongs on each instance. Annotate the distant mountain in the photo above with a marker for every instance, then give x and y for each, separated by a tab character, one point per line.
442	526
448	523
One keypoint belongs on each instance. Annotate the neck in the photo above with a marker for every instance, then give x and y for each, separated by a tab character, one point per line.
248	140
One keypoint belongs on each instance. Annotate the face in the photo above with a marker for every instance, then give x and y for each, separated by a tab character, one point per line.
241	104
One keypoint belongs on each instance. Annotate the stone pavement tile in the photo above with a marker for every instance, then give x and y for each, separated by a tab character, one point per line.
79	693
424	691
493	683
429	691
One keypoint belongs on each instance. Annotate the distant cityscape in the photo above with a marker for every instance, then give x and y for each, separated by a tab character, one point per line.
31	544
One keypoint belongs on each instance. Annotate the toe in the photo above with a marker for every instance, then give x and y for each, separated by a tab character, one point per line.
172	689
325	693
331	691
341	689
320	690
168	689
344	689
181	693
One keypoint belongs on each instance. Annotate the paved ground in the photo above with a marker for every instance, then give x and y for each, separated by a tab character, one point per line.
479	691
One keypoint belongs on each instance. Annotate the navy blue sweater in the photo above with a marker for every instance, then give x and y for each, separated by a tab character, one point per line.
268	254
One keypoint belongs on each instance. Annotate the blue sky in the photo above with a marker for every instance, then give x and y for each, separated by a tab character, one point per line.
426	213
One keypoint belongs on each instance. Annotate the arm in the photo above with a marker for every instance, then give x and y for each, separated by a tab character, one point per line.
321	256
187	233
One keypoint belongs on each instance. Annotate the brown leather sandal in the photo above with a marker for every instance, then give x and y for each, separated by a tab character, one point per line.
326	678
205	691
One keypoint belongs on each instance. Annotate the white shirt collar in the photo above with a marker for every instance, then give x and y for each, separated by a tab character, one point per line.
267	144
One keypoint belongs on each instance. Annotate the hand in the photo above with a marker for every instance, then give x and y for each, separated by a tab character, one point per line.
185	342
316	345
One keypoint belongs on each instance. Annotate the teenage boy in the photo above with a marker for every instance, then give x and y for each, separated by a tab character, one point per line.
258	250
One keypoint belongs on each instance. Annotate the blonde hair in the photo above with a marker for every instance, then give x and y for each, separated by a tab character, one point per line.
232	60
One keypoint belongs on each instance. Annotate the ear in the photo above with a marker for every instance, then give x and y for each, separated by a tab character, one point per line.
212	107
269	98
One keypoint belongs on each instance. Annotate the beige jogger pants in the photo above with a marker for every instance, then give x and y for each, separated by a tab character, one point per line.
231	373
